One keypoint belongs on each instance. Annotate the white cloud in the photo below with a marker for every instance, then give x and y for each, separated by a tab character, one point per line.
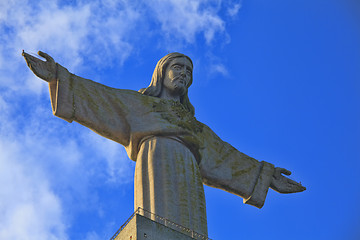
29	208
233	9
47	173
92	236
47	166
119	167
184	19
98	32
97	29
69	31
219	68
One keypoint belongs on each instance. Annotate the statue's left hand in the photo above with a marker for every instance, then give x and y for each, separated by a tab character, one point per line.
283	184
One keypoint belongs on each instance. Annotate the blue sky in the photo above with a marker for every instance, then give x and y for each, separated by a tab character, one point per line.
279	80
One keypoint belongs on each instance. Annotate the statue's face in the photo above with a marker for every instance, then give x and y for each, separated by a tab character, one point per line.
178	74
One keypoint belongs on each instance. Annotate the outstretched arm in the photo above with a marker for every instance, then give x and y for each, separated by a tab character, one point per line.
98	107
222	166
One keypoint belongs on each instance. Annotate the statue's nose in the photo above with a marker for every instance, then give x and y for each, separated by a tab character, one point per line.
182	73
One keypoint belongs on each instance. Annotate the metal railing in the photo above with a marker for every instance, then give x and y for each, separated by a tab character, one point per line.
163	221
124	225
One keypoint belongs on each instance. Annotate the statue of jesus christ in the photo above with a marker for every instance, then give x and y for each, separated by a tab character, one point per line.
175	154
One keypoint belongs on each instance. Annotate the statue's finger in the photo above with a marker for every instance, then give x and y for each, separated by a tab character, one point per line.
25	55
46	56
297	187
277	173
30	59
293	188
285	171
292	182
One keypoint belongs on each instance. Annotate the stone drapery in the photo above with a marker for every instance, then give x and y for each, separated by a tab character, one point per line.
174	152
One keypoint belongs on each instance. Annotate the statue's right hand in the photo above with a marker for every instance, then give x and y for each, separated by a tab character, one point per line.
283	184
44	70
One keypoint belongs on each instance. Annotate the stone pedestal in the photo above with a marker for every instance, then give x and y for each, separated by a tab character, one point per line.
143	228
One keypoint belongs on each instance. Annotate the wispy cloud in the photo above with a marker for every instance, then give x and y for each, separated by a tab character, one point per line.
219	68
99	32
119	168
185	19
29	207
233	8
45	172
99	29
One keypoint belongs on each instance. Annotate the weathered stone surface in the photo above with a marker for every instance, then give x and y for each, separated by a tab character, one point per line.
142	228
174	153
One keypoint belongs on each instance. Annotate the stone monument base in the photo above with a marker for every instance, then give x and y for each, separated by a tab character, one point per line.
140	227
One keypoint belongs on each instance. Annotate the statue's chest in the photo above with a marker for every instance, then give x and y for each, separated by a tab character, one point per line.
175	114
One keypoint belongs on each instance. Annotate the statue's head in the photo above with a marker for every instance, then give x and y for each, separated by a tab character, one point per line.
172	73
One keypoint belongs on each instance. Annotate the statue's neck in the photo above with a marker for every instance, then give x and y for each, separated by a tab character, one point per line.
168	96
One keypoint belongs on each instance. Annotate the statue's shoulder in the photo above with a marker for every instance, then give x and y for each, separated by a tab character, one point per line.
134	98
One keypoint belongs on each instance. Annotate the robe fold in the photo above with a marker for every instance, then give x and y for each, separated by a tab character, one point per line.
175	154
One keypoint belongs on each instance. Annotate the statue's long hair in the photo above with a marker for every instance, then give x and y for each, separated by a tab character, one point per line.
156	85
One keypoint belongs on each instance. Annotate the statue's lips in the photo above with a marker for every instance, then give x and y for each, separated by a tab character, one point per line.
180	80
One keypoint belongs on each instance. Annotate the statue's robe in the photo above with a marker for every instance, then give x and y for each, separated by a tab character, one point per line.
174	153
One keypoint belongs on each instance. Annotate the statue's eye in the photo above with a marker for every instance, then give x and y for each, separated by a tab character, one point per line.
176	67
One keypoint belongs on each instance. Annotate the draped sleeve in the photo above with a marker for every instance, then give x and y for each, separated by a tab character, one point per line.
98	107
125	116
222	166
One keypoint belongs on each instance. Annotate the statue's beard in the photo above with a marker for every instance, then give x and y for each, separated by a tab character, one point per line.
179	88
